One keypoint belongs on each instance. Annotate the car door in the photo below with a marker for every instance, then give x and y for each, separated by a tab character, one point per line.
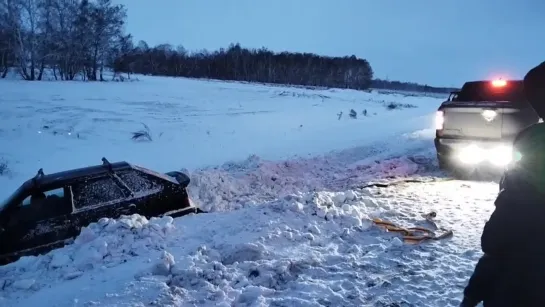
99	197
37	225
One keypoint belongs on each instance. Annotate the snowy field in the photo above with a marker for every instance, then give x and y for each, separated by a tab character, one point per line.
282	172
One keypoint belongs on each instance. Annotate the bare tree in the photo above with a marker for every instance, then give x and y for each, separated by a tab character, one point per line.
75	38
69	36
6	40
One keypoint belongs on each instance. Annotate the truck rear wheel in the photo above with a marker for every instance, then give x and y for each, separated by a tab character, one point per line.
444	165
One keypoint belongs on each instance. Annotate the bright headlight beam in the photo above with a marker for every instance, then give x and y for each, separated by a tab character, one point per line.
501	156
473	154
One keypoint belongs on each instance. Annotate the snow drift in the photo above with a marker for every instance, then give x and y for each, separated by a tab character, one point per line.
305	249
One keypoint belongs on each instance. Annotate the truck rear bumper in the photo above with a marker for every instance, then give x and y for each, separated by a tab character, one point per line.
466	152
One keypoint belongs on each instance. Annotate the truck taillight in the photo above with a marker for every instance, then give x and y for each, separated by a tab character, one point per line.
439	120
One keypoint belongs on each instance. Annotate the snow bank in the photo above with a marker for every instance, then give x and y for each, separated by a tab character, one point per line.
110	243
305	249
106	243
302	234
254	180
269	270
326	252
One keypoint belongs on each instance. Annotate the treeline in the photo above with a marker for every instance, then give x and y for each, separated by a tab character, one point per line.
70	37
244	64
409	86
81	38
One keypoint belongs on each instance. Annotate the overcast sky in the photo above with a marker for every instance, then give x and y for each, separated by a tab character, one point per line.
438	42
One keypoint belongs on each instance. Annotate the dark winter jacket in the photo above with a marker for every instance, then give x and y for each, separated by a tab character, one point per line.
512	269
534	88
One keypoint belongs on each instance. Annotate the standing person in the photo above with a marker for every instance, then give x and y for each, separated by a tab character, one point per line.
512	270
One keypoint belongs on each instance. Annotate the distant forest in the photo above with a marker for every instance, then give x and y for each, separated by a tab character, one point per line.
81	38
409	86
243	64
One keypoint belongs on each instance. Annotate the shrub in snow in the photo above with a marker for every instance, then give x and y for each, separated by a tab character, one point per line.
398	106
3	167
142	135
393	106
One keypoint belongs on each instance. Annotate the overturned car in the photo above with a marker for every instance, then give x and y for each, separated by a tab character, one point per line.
47	211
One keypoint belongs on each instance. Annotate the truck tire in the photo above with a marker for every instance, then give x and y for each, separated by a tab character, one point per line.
444	165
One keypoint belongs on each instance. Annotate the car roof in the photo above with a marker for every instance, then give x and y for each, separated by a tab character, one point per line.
73	174
64	177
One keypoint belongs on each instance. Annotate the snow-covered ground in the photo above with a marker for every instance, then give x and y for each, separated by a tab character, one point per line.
58	125
290	224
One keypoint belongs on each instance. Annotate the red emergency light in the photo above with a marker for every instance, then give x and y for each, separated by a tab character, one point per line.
499	83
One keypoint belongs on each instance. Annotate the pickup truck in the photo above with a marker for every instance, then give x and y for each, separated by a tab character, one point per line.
476	126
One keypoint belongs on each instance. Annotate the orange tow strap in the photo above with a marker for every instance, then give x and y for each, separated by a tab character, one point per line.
412	235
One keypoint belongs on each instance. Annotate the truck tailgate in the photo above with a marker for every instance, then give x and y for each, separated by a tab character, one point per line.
516	117
471	120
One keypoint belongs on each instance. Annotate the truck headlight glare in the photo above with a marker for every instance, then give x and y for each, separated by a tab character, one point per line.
472	154
499	156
